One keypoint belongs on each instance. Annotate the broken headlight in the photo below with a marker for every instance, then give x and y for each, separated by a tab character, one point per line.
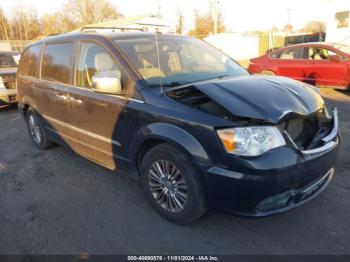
251	141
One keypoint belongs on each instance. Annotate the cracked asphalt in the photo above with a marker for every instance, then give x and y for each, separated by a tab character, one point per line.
55	202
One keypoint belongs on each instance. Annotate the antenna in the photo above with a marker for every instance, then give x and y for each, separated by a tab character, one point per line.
160	70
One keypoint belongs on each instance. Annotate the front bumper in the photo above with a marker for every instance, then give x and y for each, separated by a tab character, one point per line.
7	96
277	181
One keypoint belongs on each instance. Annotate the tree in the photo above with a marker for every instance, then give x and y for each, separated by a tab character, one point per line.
4	26
204	25
314	27
57	23
180	22
288	28
85	12
25	24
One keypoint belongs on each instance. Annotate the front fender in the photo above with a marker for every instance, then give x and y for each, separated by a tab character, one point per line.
169	133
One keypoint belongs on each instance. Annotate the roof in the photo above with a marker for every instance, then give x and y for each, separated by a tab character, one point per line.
97	36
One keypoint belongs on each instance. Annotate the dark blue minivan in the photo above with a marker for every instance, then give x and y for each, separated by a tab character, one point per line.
195	127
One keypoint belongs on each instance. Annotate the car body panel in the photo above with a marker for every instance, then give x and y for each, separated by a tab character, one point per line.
112	129
322	73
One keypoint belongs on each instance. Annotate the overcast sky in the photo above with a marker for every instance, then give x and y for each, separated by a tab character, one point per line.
239	15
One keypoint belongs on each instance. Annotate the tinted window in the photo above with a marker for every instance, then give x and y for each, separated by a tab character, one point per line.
293	53
29	61
93	61
7	60
57	62
177	60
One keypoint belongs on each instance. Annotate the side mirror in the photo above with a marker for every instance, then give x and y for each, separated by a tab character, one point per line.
107	83
334	58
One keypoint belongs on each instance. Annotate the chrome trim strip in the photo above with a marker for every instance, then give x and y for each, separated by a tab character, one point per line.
330	145
82	131
335	128
319	181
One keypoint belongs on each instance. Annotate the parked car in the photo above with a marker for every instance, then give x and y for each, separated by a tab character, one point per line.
194	126
8	68
320	64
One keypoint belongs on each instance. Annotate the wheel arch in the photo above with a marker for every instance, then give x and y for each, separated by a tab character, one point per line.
157	133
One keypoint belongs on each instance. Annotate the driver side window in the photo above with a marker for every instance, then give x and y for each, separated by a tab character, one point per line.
93	60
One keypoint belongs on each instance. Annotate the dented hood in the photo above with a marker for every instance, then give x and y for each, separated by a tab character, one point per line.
263	97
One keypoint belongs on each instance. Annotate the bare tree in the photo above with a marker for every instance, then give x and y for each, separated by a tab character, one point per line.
25	24
314	27
57	23
4	26
204	25
90	11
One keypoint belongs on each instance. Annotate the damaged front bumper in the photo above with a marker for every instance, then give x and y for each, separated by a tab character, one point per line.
7	96
277	181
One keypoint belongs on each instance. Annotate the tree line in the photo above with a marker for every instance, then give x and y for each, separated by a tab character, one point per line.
25	24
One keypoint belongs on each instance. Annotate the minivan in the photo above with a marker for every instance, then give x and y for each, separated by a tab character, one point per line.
195	127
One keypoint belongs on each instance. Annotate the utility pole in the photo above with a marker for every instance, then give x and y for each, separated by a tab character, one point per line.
213	6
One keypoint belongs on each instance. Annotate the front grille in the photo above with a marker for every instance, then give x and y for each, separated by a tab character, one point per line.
9	82
305	131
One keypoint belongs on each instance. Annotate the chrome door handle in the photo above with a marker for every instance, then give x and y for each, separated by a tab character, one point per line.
62	97
75	100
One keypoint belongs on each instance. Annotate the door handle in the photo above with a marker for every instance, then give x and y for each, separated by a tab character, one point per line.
75	100
61	97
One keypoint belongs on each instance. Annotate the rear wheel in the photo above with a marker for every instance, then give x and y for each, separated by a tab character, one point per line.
171	184
36	131
268	72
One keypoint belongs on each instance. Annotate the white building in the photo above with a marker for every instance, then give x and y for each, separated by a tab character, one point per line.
338	24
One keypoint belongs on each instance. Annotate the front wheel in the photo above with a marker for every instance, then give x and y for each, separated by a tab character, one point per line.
171	184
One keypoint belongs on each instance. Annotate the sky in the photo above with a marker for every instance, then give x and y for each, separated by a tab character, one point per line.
239	16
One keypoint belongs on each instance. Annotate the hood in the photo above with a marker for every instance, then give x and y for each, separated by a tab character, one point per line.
262	97
8	71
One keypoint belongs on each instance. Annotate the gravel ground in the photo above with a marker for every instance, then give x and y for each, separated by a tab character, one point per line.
55	202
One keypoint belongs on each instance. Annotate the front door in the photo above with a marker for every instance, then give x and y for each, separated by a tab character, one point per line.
324	71
96	116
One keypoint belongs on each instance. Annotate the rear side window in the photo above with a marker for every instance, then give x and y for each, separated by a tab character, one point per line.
293	53
57	59
29	61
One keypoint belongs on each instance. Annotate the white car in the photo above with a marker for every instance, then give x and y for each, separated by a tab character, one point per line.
8	69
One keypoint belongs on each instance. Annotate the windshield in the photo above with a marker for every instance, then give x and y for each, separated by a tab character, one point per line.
343	48
182	60
9	60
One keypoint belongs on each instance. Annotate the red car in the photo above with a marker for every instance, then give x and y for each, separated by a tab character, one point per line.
319	64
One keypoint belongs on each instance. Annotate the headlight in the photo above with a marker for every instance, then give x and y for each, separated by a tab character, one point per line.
251	141
2	85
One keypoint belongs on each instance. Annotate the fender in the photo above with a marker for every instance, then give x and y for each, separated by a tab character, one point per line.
26	100
172	134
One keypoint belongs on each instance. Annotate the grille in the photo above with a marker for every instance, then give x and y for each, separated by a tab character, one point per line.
9	82
304	130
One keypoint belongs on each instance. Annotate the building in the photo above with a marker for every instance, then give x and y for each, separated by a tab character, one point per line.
338	22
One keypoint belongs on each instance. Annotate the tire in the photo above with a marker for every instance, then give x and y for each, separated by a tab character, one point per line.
268	73
36	131
184	175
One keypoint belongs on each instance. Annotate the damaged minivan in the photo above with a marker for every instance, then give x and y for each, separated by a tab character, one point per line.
195	128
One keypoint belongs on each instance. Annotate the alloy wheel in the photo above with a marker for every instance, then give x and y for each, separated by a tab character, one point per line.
168	186
34	129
